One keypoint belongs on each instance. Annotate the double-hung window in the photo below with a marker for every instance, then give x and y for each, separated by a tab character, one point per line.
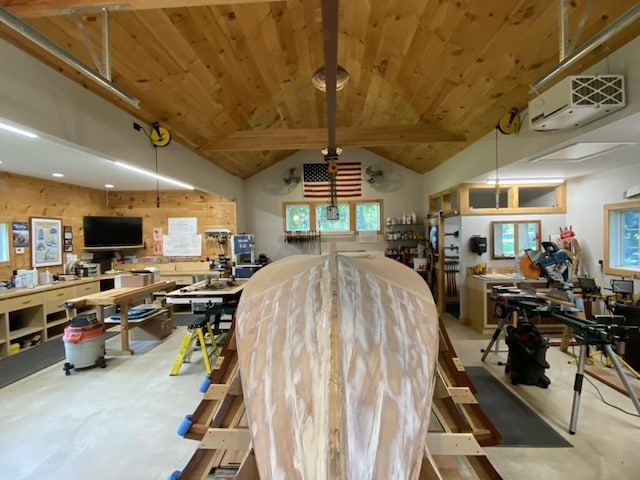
622	238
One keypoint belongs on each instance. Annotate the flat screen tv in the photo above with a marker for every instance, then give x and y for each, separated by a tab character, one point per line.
112	233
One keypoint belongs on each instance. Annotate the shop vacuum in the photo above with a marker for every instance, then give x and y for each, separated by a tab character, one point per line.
84	341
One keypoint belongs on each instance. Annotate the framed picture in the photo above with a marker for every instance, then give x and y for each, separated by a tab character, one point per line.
46	241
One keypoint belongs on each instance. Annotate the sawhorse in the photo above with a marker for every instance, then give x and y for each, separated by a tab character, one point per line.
196	334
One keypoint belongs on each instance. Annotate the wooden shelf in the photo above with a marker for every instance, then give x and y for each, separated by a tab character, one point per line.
23	332
54	323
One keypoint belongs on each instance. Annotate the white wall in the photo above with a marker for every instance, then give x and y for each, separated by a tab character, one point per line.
264	204
586	197
34	95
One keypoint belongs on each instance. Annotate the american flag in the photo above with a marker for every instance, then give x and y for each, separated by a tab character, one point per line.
348	180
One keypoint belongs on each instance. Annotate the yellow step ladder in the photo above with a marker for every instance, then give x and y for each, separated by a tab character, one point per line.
196	338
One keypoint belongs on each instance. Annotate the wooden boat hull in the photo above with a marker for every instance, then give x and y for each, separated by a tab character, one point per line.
337	358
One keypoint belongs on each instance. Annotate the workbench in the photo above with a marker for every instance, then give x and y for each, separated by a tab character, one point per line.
124	298
201	293
479	311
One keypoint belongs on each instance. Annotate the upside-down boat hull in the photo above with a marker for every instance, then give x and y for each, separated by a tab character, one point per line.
337	358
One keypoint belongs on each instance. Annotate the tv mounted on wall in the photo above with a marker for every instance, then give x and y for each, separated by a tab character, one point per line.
112	233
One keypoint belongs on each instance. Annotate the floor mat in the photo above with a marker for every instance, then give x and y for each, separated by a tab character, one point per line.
28	362
518	424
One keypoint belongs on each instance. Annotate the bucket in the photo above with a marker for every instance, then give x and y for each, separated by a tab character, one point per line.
420	264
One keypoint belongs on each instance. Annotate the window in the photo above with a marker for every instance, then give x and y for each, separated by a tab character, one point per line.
368	217
341	225
622	238
4	242
298	218
353	216
509	238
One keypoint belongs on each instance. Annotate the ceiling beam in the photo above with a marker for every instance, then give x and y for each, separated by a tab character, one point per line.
309	138
50	8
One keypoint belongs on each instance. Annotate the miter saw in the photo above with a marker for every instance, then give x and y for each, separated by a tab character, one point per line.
552	263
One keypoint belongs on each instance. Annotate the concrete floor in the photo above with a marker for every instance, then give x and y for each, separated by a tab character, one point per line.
121	422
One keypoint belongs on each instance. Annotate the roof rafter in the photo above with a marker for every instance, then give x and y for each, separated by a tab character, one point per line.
49	8
308	138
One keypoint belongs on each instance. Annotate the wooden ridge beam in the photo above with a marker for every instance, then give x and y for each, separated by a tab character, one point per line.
310	138
50	8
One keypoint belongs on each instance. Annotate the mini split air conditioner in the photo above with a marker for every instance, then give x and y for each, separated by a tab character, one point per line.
576	101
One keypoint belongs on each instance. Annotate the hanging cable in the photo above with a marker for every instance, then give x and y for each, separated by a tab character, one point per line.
155	151
497	178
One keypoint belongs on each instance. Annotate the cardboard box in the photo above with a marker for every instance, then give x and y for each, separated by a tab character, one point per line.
155	329
133	280
155	273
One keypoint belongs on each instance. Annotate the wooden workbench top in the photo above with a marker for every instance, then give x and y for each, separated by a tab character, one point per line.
121	295
17	292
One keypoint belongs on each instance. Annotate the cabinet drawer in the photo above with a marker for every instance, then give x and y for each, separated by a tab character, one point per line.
53	306
59	294
24	301
87	289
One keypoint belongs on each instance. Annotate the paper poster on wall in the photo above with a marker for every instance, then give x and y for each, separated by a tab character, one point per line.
182	245
183	226
20	234
157	241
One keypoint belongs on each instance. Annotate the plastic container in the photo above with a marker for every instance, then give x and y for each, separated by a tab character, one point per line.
420	264
84	342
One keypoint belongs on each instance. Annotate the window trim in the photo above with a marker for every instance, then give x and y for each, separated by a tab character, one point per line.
607	268
352	214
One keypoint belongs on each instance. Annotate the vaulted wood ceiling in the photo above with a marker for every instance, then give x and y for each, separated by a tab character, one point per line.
231	79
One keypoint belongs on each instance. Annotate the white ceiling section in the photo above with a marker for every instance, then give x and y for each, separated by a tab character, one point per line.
42	156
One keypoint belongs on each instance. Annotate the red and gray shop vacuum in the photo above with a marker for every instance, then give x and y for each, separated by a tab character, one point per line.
84	341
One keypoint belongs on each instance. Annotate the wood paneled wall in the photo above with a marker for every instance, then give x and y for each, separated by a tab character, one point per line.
24	197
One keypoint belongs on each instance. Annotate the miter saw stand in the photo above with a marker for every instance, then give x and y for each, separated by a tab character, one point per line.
552	263
603	334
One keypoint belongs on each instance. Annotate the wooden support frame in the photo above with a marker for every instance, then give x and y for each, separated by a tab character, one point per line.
460	430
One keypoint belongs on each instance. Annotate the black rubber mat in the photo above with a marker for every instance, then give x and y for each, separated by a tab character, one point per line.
518	424
28	362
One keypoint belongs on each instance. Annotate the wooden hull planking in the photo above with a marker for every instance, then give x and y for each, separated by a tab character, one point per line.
337	357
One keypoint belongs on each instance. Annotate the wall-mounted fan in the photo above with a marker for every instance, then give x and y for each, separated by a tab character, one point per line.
284	184
382	178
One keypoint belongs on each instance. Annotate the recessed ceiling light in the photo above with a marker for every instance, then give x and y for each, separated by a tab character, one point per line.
19	131
57	175
108	185
581	151
153	175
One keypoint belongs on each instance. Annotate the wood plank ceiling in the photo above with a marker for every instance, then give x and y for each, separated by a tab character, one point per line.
231	79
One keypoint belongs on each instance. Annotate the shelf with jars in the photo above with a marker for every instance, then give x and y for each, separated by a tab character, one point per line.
404	231
403	236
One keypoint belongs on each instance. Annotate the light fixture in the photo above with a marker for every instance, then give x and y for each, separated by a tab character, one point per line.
109	185
57	175
581	151
525	181
19	131
153	175
319	81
